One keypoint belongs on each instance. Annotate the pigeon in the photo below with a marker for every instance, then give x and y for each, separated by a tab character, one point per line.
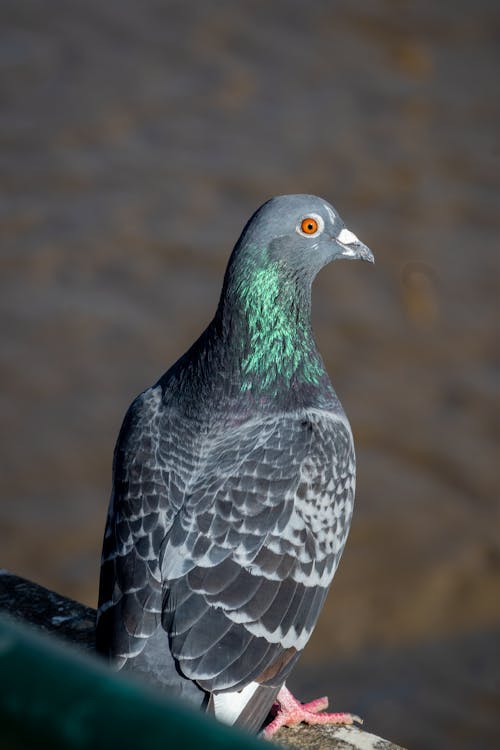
233	488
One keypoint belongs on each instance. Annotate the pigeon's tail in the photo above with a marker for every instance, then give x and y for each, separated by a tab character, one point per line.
257	709
247	708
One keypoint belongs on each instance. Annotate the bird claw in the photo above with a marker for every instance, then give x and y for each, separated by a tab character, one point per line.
288	712
315	706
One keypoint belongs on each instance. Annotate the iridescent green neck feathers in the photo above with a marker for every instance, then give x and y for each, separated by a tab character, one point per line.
275	346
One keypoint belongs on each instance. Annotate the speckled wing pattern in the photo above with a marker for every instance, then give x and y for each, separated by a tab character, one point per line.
232	539
147	494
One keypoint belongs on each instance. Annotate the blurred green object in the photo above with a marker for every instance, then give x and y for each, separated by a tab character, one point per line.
53	697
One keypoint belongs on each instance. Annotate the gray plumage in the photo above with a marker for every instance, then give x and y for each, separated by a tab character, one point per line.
233	483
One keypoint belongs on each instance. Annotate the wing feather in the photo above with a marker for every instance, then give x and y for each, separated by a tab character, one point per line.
225	542
257	554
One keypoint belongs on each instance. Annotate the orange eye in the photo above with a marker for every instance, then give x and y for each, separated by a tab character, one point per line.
309	225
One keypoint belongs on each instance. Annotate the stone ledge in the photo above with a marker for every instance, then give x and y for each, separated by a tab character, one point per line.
332	738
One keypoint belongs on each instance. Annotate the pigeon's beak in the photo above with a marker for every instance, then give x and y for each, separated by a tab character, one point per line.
352	247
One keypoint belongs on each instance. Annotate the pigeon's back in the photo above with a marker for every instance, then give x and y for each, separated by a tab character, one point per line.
232	496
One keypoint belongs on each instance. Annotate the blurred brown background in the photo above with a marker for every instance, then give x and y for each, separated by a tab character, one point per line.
136	139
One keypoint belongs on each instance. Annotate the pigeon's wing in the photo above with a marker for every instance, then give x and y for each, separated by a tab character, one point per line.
251	554
147	477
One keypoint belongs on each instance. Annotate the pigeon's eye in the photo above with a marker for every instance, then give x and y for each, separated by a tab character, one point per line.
311	226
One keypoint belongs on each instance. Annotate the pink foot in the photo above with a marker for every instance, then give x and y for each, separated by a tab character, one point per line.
289	711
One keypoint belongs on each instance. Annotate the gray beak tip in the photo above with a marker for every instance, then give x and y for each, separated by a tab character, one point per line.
366	254
354	248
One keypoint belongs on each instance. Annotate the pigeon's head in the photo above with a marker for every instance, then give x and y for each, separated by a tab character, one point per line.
301	233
